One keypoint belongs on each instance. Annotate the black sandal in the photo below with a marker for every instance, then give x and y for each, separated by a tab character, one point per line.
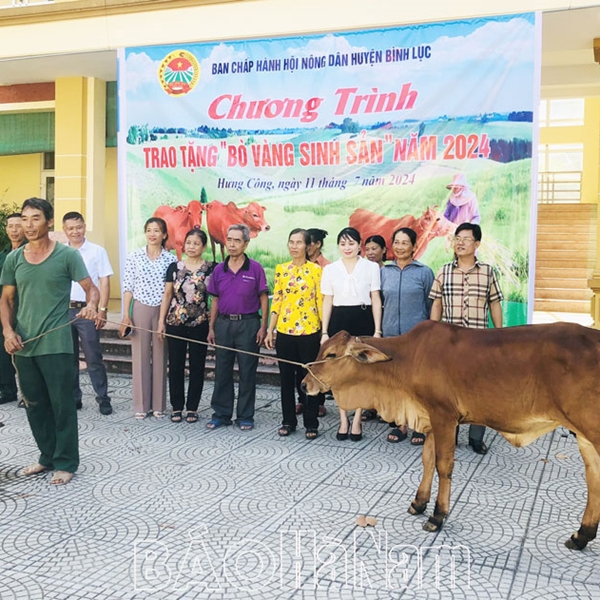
368	415
285	430
417	439
191	417
311	434
176	416
396	435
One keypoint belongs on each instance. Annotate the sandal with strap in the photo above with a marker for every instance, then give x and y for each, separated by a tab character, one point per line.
396	435
176	416
216	422
368	415
417	439
285	430
311	434
191	417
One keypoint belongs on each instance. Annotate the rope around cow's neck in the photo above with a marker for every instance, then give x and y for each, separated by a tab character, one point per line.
306	366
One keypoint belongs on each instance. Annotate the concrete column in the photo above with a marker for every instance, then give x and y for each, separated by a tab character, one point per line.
593	167
80	132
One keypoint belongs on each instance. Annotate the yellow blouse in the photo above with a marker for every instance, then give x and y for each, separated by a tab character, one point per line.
297	298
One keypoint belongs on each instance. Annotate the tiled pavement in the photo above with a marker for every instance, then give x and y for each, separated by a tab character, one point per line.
168	511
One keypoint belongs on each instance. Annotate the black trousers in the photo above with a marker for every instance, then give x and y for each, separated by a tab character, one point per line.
178	350
303	349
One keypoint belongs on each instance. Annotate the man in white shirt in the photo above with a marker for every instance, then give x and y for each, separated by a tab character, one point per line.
88	332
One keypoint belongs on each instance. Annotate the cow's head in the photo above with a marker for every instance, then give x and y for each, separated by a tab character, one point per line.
435	224
254	218
194	209
341	365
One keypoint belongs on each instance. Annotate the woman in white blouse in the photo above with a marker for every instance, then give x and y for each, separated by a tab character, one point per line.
144	284
351	301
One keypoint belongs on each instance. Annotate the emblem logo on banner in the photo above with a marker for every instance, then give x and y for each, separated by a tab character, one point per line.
179	72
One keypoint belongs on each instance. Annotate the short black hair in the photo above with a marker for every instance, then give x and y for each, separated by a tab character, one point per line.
13	216
73	215
473	227
39	204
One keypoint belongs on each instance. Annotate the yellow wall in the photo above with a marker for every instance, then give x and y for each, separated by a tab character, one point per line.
20	178
110	235
587	135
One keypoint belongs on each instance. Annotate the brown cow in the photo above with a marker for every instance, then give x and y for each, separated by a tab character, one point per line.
429	225
180	220
220	216
521	381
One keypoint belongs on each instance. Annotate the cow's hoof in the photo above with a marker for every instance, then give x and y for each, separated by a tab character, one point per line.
574	543
431	526
415	509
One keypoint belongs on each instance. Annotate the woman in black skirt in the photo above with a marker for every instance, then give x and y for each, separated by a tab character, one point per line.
351	302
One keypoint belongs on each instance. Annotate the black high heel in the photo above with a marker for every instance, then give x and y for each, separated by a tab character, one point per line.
356	437
342	436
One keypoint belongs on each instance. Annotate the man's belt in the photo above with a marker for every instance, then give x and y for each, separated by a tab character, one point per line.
253	315
77	304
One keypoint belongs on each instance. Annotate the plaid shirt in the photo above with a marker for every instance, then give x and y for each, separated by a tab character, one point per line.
466	295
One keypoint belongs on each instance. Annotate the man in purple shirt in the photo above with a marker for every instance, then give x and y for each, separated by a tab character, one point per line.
238	287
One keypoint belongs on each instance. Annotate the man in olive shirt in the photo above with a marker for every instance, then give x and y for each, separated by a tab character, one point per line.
8	385
37	333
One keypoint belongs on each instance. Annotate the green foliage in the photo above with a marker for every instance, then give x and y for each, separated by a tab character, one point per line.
203	196
500	215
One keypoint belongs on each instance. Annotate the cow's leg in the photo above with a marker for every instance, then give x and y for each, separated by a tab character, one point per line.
419	504
444	463
591	516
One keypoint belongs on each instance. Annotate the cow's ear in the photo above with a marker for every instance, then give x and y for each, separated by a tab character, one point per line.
364	353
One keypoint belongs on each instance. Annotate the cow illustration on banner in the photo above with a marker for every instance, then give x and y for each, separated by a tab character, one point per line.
424	126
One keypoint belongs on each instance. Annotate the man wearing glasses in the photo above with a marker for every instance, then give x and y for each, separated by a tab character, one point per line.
465	293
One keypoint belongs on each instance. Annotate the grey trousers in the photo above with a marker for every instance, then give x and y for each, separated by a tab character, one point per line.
85	331
240	335
149	361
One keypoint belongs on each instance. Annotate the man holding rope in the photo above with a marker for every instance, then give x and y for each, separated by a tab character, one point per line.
38	335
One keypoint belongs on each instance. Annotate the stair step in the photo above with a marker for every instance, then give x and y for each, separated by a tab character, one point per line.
574	306
579	246
552	271
561	283
117	358
567	253
562	294
565	263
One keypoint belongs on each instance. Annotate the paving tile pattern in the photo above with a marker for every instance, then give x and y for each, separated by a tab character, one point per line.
173	511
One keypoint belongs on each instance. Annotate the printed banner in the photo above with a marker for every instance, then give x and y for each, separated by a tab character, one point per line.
424	126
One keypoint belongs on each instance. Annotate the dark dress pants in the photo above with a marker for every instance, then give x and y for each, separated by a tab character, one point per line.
242	336
84	331
178	349
302	349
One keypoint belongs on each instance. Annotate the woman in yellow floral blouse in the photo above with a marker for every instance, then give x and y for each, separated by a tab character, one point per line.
296	315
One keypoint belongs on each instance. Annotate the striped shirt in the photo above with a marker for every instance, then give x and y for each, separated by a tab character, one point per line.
466	295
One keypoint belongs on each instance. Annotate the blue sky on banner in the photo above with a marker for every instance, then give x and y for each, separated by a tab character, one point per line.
475	66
